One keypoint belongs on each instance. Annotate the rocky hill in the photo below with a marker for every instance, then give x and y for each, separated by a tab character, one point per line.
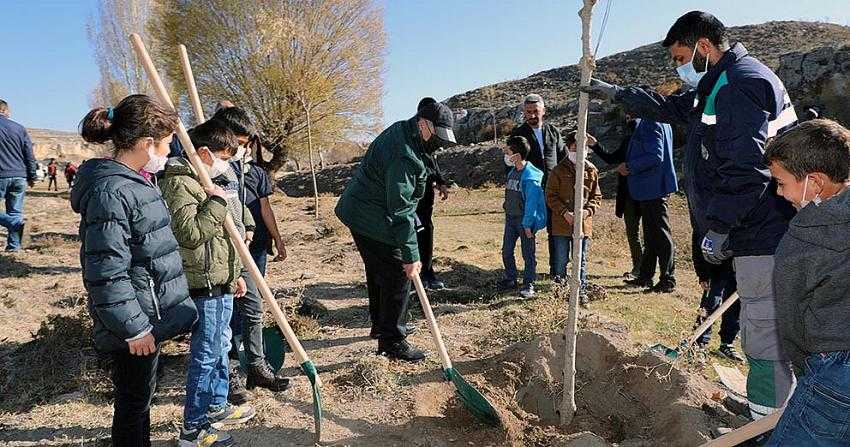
66	146
813	59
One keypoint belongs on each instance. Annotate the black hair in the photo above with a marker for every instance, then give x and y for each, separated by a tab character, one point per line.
214	135
519	145
134	118
424	102
570	139
237	120
4	107
695	25
819	145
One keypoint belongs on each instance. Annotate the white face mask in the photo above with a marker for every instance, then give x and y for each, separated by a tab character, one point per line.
803	201
571	156
509	160
689	74
155	162
218	167
240	152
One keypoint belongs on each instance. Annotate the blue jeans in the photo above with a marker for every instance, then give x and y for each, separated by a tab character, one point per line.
12	192
208	372
563	246
818	413
514	231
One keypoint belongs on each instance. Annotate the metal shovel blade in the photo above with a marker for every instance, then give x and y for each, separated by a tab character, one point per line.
473	400
665	351
310	371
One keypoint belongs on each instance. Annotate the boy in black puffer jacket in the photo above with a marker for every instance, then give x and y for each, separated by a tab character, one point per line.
132	270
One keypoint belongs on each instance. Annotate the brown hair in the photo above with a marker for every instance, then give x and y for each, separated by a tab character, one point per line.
134	118
819	145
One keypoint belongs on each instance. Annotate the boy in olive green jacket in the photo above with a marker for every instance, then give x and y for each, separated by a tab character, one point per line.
213	271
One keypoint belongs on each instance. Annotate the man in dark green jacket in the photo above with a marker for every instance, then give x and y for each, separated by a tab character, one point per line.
379	205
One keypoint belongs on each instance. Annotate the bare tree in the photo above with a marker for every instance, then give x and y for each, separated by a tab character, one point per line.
107	30
264	54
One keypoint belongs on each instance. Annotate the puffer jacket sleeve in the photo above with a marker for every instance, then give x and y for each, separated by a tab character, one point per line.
193	222
401	181
106	263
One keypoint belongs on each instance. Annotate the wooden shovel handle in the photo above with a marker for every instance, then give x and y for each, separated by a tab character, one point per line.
746	432
235	237
432	322
712	318
194	98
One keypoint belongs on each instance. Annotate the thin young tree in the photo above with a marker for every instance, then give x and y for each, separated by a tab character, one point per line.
256	54
568	405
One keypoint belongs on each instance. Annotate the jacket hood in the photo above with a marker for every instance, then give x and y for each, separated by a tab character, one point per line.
92	173
178	166
824	225
530	172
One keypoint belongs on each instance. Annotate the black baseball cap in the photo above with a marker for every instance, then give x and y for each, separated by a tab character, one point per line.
439	114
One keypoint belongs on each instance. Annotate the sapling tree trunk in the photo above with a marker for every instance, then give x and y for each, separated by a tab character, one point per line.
306	105
587	63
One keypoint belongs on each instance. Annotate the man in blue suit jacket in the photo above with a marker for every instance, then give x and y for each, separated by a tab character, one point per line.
651	177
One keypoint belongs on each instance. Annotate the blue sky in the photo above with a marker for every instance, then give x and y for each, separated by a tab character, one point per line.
436	48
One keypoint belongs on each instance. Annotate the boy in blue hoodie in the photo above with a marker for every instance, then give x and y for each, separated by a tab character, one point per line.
525	215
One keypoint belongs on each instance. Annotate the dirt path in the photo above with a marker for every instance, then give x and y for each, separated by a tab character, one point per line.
54	394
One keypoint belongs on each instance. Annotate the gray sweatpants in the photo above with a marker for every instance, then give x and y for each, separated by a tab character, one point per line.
770	379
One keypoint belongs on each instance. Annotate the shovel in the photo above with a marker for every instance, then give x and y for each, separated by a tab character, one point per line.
685	344
472	399
306	364
747	432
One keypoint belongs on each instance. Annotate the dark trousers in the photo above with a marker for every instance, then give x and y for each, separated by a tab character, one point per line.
247	319
657	240
388	286
134	379
551	245
722	285
631	217
425	233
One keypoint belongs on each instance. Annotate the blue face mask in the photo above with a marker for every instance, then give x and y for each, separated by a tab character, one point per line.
689	74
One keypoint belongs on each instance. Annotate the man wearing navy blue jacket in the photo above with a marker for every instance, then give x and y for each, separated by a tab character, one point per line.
17	169
651	178
735	104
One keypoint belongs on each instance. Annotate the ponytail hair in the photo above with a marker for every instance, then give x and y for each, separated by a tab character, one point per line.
134	118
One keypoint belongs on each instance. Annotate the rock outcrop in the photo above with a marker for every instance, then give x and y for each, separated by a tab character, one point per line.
65	146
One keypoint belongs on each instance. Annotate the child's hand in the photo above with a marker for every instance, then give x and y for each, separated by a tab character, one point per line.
569	216
241	288
413	269
704	285
249	236
529	234
216	191
143	346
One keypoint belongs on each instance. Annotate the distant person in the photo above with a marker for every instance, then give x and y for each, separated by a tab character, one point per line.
379	207
718	284
132	270
214	273
625	206
70	173
547	150
732	105
52	170
255	188
525	215
17	170
425	214
811	280
651	176
560	198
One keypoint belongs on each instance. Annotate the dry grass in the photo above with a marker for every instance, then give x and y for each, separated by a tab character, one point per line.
371	373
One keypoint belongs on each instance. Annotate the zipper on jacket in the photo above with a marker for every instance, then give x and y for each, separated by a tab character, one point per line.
154	299
207	255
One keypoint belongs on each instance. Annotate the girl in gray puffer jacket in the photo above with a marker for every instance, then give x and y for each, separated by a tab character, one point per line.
132	270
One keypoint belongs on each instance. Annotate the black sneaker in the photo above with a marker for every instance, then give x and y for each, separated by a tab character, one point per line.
231	415
435	284
662	287
507	285
409	328
730	353
237	394
204	437
638	282
263	377
401	350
